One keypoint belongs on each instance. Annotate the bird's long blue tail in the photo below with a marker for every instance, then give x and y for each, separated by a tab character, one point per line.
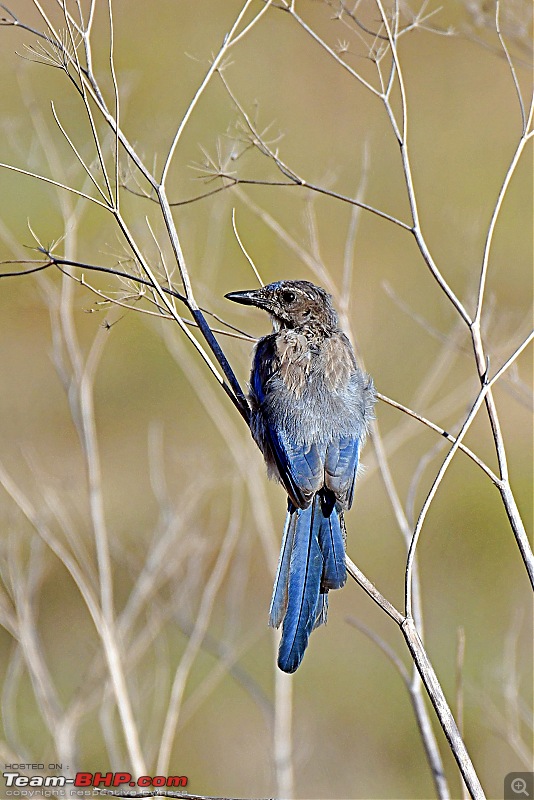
312	561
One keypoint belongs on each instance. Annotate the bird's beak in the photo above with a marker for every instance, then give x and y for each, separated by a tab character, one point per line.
253	297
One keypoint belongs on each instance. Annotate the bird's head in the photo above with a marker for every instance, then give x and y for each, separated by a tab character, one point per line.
291	304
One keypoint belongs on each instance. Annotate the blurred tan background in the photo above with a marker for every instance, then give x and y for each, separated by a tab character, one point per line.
354	731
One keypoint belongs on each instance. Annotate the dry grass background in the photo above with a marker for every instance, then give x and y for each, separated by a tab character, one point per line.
178	465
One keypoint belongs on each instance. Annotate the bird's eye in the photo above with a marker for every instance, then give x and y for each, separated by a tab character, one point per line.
288	297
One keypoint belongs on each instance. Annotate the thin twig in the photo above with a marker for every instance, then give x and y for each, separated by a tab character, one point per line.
243	250
460	659
413	684
435	692
527	553
442	432
52	182
227	43
495	216
510	65
203	617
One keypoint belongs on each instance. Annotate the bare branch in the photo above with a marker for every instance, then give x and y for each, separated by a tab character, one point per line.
495	215
240	243
442	432
526	552
229	39
206	606
57	184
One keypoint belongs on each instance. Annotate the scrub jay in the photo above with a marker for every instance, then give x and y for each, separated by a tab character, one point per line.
310	411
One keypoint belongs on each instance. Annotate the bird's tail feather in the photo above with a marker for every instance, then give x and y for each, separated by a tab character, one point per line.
332	544
312	561
279	598
304	585
322	609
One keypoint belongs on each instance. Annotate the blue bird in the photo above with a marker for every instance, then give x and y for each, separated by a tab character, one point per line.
310	411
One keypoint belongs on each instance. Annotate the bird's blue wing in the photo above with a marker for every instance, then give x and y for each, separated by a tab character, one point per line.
300	466
303	464
341	465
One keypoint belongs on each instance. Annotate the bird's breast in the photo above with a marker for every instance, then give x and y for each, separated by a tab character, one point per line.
293	361
308	363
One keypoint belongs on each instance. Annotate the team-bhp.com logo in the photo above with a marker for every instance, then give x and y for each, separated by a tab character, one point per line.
18	785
